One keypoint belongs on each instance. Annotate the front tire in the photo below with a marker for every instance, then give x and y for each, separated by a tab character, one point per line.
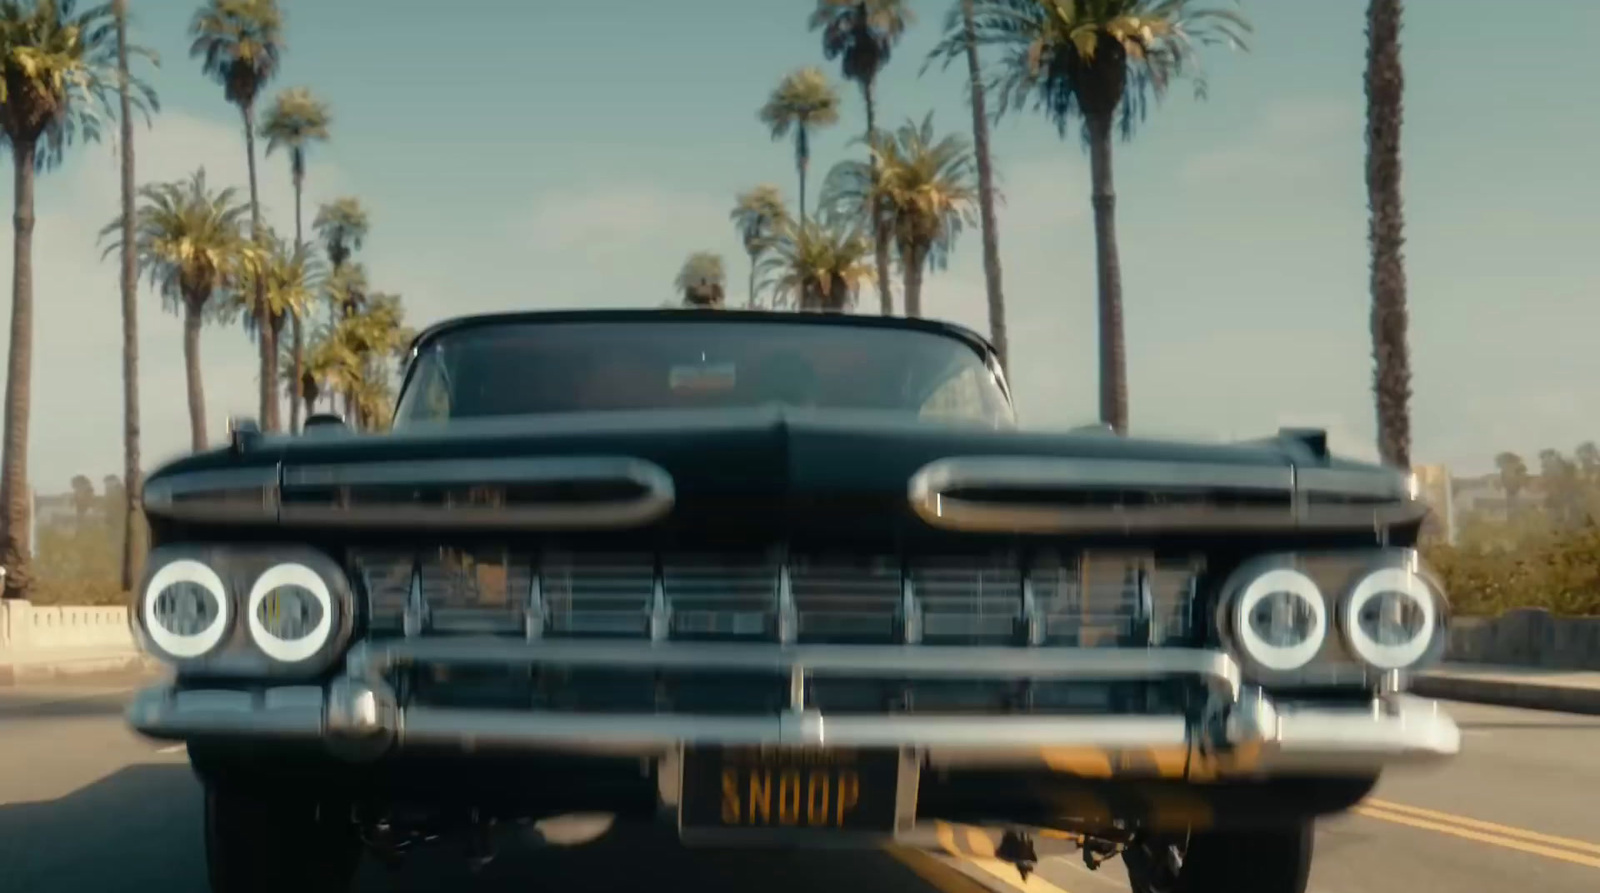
260	842
1277	860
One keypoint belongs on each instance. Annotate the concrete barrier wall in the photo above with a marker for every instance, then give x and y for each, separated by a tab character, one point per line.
27	628
1527	637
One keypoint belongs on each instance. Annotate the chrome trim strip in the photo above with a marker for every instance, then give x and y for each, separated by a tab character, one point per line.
533	618
372	659
788	613
657	500
1300	487
910	611
660	611
228	494
414	622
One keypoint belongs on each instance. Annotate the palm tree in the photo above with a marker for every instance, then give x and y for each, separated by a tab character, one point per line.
802	102
295	119
924	195
862	34
1391	374
352	355
131	545
1103	61
239	43
702	280
58	70
962	16
190	241
342	225
758	214
290	279
1514	478
814	267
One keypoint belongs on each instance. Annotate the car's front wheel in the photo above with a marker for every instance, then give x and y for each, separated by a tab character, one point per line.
258	842
1266	861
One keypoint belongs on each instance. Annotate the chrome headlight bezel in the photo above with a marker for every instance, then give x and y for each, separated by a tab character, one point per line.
244	646
1400	572
173	646
1244	590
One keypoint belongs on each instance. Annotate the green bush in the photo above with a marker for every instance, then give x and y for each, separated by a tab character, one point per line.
79	562
1558	570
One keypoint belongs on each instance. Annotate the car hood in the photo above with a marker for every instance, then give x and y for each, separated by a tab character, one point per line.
777	471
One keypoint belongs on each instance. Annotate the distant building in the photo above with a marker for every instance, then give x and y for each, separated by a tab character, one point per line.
1484	497
1436	488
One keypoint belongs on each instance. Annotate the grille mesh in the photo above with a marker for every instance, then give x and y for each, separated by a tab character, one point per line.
1086	600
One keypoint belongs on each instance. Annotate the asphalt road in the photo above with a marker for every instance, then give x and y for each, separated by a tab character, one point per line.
87	807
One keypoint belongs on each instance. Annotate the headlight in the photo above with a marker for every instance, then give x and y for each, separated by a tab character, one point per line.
185	609
294	606
290	612
1279	620
1391	618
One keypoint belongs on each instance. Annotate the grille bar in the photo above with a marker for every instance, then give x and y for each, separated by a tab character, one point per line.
1082	600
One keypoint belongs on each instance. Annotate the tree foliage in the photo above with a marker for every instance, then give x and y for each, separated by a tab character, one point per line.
1537	547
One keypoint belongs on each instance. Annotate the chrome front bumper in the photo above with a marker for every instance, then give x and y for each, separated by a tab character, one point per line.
1242	733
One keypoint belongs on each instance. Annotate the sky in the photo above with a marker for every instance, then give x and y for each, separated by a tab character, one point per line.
570	153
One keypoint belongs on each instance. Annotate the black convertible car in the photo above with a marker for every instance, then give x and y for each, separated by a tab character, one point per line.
777	580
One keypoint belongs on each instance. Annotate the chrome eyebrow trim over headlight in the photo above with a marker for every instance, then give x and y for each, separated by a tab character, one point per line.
481	493
1134	496
472	493
225	494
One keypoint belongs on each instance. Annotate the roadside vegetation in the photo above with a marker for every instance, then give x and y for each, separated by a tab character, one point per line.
1533	542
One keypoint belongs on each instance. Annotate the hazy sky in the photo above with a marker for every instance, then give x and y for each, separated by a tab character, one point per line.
566	153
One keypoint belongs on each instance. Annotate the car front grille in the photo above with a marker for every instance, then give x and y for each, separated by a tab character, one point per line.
1080	599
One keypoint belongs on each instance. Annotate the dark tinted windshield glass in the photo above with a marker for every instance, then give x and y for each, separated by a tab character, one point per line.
557	367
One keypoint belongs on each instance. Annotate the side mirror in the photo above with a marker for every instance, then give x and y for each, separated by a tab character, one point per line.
324	423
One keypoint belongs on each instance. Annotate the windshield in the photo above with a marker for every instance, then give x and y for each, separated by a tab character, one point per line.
544	367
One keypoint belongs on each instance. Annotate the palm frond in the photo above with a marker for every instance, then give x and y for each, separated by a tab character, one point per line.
190	241
861	33
58	76
818	267
1075	59
757	214
803	99
239	43
296	119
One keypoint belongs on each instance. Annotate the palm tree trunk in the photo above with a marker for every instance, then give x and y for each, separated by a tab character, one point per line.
191	369
1391	375
14	495
802	159
911	259
751	300
1113	358
299	346
131	476
265	337
880	233
991	234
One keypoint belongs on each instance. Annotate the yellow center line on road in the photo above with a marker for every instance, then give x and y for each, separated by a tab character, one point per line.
1457	830
983	859
1582	846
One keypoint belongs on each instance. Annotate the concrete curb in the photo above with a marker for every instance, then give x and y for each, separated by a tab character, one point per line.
1509	693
